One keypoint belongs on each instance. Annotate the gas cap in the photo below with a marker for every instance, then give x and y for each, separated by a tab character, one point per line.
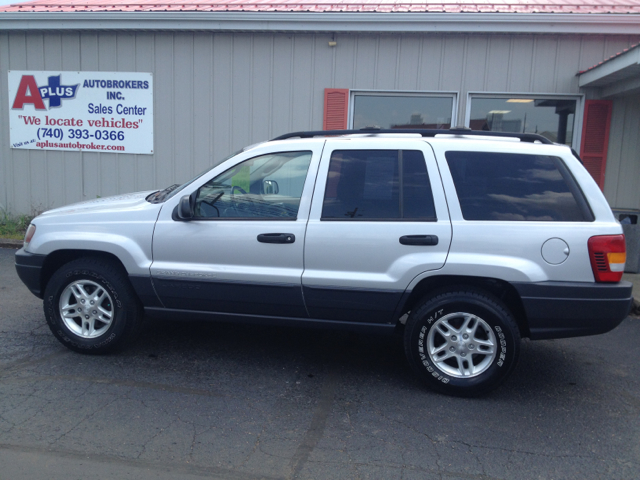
555	251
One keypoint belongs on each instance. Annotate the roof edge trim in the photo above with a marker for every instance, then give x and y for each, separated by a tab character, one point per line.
625	24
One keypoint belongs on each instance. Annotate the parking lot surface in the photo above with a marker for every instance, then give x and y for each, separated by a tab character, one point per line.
203	400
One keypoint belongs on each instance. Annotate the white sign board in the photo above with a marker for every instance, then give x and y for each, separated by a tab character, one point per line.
107	112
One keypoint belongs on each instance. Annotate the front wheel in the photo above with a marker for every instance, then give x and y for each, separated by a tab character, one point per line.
91	307
462	342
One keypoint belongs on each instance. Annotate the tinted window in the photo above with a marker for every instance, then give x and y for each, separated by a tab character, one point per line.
418	201
504	186
268	186
377	184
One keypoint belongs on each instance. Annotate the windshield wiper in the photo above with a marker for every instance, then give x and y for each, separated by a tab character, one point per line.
160	195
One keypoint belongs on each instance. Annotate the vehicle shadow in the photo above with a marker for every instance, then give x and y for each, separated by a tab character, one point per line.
545	368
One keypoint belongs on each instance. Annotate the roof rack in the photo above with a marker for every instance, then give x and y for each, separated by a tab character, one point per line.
524	137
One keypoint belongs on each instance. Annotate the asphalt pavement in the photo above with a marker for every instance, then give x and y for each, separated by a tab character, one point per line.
201	400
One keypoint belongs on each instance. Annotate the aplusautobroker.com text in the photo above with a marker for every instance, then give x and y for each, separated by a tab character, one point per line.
80	146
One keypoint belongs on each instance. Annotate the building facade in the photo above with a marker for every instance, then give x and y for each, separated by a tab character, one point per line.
226	79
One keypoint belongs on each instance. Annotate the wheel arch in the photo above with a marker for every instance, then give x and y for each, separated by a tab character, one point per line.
498	288
58	258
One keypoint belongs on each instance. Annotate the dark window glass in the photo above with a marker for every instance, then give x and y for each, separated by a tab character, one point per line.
505	186
269	186
418	201
398	111
551	118
366	184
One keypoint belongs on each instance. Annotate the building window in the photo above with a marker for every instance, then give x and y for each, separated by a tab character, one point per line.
553	118
398	110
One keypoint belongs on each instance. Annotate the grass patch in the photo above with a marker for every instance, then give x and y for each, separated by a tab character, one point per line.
13	228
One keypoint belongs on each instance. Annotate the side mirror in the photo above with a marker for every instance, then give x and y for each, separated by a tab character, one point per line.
185	212
270	187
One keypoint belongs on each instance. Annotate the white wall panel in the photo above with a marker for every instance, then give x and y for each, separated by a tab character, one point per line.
217	92
568	64
202	100
498	59
543	78
431	60
323	75
164	110
365	62
282	73
302	74
409	52
5	161
144	52
261	77
623	158
222	103
184	108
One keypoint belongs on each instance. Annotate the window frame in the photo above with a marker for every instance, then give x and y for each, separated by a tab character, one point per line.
454	95
578	97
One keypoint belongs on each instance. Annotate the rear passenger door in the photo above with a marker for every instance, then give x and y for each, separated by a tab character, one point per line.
378	219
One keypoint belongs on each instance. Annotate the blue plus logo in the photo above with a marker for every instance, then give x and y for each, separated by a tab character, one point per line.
56	92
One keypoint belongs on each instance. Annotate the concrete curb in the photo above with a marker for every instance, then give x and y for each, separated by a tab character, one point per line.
10	243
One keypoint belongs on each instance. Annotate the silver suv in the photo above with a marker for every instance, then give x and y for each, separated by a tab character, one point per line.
464	242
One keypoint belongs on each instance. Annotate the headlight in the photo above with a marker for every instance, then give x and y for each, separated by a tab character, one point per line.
29	235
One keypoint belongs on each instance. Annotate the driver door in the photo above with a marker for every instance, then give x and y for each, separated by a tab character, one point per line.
242	252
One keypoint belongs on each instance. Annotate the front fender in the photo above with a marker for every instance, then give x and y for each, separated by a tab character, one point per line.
133	249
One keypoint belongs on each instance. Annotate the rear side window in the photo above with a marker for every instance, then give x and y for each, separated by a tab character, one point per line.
378	185
516	187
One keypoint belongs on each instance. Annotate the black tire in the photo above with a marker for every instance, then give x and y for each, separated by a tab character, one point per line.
110	327
438	354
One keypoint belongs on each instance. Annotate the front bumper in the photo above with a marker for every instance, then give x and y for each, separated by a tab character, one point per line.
29	268
574	309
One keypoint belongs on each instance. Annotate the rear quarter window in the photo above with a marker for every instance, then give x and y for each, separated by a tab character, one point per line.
516	187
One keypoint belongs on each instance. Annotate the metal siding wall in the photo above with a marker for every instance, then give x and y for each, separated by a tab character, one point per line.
5	151
623	157
215	93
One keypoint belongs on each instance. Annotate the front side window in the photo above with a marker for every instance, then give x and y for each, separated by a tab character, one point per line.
549	117
267	187
402	111
378	185
516	187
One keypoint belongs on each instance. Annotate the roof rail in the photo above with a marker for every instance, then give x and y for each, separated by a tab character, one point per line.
524	137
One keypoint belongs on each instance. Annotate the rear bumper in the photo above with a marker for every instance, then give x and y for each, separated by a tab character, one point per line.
29	268
574	309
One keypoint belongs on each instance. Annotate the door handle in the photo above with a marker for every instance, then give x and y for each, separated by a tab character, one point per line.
419	240
276	238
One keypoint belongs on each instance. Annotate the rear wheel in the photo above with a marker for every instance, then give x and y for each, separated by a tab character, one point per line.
462	342
91	307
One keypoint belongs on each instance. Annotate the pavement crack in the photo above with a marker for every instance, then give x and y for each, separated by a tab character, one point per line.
316	429
24	362
85	418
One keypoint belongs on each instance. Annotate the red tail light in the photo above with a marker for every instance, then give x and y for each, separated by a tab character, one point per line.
608	255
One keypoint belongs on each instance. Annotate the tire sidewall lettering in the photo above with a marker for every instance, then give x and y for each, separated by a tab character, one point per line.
52	313
426	361
502	363
502	341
